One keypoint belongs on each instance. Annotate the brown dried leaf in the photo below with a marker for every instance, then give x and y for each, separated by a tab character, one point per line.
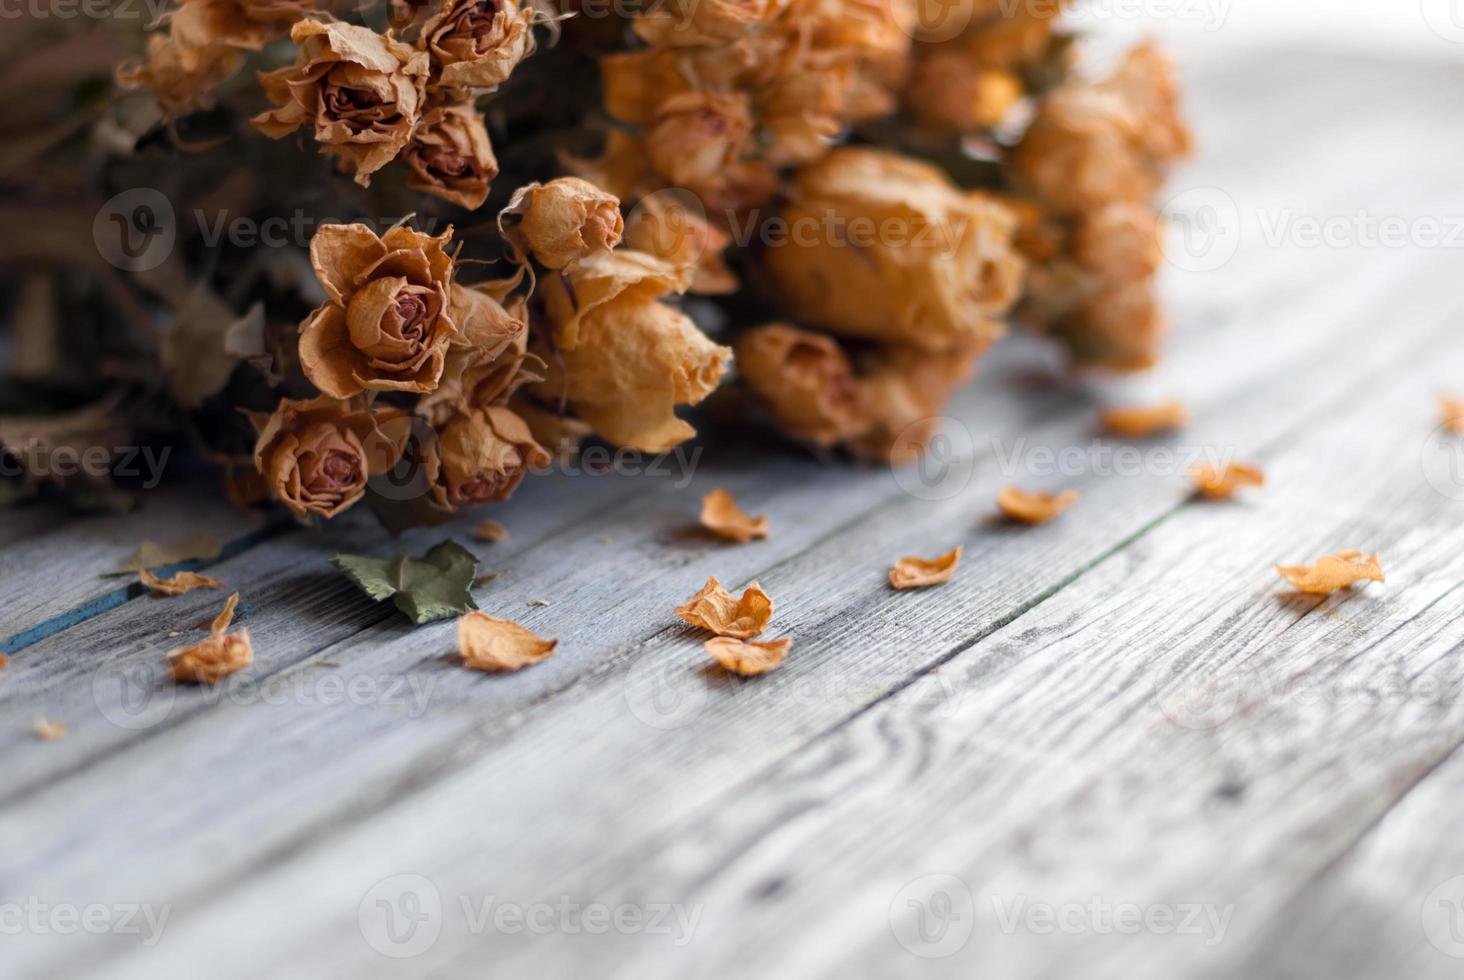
1333	572
721	516
1030	507
490	530
178	584
1144	421
714	609
1452	409
149	554
50	731
1221	483
492	644
912	572
4	661
748	658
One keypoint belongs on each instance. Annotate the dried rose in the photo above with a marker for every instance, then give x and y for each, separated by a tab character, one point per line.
317	455
248	25
481	456
714	609
696	136
491	644
1334	572
721	515
362	92
913	572
902	392
388	318
885	247
748	657
805	381
181	87
1221	483
672	227
562	221
950	92
450	156
1095	144
1032	507
476	44
693	23
623	359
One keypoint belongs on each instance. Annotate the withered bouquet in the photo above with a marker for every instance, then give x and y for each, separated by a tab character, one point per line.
406	253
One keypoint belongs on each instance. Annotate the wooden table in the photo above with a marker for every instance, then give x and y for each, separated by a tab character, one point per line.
1112	746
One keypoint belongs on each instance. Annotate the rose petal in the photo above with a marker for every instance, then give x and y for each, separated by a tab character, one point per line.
1333	572
1031	507
213	659
492	644
1452	409
178	584
912	572
748	657
1142	422
721	516
714	609
327	356
1221	483
490	530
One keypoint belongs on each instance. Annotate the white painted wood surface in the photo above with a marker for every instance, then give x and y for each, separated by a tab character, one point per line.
1120	711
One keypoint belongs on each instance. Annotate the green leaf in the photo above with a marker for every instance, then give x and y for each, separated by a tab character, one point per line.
432	587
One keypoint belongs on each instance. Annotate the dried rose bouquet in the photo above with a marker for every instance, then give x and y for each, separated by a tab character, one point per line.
406	254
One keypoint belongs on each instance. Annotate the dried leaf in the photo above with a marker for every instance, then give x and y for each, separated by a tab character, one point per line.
714	609
1030	507
490	530
912	572
1333	572
721	516
432	587
1221	483
200	547
1145	421
1452	409
748	658
4	661
492	644
50	731
179	583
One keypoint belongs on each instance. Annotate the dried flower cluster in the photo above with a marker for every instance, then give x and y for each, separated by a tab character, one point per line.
831	209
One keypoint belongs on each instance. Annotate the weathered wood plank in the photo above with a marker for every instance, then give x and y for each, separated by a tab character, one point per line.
1390	907
55	563
351	776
